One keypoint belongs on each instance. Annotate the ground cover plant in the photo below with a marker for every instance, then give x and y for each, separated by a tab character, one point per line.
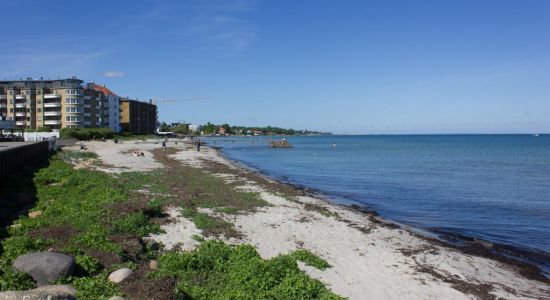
101	220
220	271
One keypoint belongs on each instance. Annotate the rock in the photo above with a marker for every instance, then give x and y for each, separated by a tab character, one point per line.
153	264
119	275
34	214
45	267
15	226
47	292
117	298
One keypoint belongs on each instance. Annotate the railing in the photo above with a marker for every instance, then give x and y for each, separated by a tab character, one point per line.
52	104
2	105
3	97
19	97
20	105
20	123
51	96
52	122
52	113
20	114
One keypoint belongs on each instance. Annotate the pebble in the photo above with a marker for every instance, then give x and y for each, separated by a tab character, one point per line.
119	275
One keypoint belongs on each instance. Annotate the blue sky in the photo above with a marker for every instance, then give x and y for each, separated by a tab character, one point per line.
342	66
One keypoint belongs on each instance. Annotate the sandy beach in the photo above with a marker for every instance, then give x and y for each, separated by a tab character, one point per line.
370	257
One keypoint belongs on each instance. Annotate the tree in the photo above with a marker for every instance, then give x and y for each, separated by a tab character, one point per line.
164	127
227	128
181	129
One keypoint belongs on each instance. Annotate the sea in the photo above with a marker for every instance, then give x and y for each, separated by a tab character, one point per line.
493	188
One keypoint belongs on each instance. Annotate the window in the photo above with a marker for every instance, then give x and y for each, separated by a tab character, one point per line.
73	119
38	92
11	92
73	101
39	110
73	109
39	102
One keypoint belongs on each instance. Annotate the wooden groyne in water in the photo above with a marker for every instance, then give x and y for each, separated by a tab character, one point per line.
15	155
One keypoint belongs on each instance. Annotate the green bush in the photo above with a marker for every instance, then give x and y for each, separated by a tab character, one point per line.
85	134
44	129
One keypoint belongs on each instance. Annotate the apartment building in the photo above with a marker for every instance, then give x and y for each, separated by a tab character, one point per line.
138	117
62	103
112	106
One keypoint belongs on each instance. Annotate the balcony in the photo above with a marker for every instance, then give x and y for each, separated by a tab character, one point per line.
20	97
3	105
20	105
52	122
52	104
3	97
20	114
51	96
20	123
87	114
52	113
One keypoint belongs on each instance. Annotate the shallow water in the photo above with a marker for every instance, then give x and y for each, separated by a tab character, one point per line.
493	187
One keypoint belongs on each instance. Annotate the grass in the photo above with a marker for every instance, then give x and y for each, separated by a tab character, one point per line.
95	217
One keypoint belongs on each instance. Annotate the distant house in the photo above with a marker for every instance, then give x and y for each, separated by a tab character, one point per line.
221	130
194	128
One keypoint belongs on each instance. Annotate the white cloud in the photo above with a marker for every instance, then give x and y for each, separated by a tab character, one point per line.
113	74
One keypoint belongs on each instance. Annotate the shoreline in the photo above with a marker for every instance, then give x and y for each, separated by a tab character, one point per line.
370	256
504	253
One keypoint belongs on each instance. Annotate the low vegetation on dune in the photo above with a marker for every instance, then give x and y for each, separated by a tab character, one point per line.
101	220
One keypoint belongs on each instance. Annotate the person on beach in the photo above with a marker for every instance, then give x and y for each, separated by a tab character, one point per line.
163	145
198	145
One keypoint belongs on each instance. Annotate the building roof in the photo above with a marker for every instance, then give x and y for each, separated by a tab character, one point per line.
103	89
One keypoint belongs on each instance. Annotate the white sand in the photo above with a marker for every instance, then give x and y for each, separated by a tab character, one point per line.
179	233
365	265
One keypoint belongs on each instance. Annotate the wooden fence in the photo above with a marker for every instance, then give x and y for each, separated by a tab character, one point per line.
15	157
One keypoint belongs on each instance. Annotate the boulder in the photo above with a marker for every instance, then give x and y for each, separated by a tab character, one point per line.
117	298
34	214
47	292
45	267
119	275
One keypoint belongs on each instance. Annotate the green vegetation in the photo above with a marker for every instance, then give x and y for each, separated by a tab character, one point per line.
320	209
126	136
210	128
76	155
75	219
219	271
100	220
85	134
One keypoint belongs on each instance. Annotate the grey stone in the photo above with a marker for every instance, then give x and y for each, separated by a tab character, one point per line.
119	275
45	267
117	298
47	292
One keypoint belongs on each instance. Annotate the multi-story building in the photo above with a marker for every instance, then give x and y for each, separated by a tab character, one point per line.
111	108
57	104
138	117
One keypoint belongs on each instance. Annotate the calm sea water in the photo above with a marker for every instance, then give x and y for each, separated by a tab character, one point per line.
493	187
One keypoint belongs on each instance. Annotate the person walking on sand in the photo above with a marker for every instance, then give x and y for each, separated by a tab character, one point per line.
198	145
163	145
